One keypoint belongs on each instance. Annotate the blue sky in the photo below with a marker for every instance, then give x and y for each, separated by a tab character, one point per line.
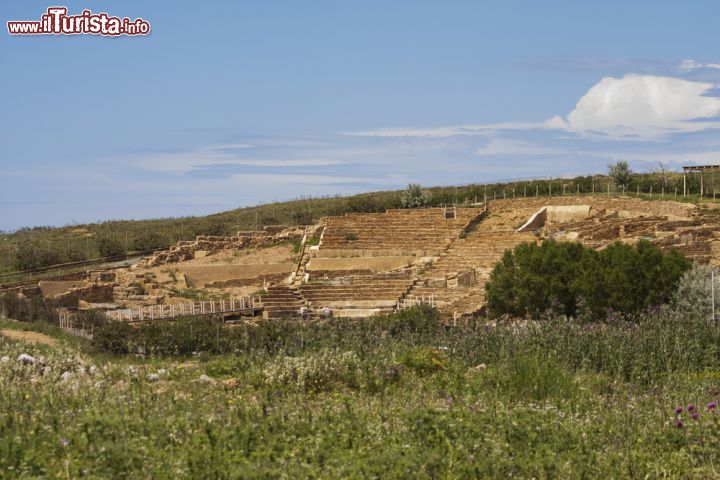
229	104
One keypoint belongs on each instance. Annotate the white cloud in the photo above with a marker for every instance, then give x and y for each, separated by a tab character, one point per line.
189	161
633	106
502	146
644	106
454	130
690	65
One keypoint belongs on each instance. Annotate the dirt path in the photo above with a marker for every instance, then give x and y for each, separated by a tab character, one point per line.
30	337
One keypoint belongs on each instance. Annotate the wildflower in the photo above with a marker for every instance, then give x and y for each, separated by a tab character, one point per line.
679	424
695	415
64	443
712	406
678	410
691	407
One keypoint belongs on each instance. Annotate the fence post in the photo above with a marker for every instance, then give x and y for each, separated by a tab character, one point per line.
712	290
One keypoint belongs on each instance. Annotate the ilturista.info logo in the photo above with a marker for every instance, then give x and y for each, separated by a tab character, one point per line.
56	21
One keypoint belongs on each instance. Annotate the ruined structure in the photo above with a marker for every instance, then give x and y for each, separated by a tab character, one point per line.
360	264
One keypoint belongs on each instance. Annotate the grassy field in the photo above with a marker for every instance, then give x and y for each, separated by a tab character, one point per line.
77	242
395	397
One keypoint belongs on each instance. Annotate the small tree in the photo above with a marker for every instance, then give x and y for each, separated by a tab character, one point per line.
620	173
413	196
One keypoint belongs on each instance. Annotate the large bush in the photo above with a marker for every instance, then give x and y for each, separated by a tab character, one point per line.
573	280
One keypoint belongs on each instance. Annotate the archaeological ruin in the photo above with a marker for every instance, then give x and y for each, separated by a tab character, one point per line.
357	265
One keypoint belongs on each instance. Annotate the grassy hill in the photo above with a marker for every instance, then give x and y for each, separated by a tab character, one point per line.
52	245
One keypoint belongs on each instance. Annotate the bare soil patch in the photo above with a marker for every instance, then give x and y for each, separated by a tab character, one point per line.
30	337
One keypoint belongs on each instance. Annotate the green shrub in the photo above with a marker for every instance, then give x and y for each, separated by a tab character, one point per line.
564	278
150	241
110	247
694	293
113	337
414	197
525	378
420	319
30	256
425	360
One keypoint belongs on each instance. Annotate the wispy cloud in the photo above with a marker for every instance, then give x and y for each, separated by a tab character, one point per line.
691	65
454	130
180	162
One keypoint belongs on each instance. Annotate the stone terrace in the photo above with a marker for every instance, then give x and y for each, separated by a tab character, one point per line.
357	295
420	232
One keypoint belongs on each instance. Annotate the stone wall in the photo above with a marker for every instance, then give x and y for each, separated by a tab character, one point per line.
186	250
92	293
202	275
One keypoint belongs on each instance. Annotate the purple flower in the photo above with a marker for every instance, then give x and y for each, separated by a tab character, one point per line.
695	415
691	407
712	406
63	442
679	424
678	410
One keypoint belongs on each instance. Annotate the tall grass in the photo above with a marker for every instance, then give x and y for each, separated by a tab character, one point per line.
398	396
